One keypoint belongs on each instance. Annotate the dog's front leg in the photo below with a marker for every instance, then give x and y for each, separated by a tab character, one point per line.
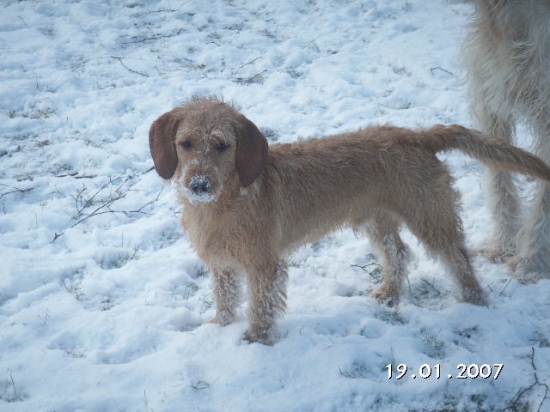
267	288
227	292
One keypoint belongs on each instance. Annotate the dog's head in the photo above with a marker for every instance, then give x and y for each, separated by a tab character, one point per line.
204	145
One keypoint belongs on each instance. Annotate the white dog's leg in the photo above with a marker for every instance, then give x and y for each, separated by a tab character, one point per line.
502	197
533	240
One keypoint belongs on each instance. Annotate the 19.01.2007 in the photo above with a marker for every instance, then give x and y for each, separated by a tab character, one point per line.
463	371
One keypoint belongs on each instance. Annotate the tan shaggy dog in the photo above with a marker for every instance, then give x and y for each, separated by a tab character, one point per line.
245	207
507	54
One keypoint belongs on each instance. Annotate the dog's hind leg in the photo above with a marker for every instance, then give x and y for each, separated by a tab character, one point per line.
267	289
439	227
502	195
383	232
533	240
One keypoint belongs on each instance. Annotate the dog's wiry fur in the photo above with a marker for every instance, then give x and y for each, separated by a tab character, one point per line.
246	207
507	56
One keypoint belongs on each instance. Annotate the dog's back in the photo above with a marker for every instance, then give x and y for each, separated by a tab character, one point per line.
319	185
384	167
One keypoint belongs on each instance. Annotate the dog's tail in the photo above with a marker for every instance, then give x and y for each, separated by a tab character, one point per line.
487	149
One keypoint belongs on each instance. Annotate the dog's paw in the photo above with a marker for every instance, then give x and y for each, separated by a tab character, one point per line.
492	254
474	296
386	296
523	271
222	318
263	336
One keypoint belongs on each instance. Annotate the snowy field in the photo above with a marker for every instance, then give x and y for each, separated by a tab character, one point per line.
103	302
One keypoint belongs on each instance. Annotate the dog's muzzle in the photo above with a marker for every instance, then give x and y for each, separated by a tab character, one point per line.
200	185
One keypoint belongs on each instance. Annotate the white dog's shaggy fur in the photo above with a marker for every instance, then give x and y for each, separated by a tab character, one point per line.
507	56
245	207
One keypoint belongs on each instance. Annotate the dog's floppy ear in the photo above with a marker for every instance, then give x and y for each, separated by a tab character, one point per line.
251	151
161	142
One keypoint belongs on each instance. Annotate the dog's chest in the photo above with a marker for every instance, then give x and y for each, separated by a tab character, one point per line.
211	234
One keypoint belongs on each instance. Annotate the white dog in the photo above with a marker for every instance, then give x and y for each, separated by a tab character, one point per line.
507	55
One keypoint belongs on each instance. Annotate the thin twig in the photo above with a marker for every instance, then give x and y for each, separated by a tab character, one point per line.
433	69
14	190
250	62
97	212
515	400
105	207
13	384
145	39
127	68
77	176
539	383
505	286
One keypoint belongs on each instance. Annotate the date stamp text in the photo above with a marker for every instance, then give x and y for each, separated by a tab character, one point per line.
463	371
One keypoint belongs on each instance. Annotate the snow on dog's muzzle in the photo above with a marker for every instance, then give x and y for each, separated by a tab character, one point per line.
200	185
200	188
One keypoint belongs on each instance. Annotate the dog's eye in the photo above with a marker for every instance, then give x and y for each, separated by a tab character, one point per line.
186	144
222	146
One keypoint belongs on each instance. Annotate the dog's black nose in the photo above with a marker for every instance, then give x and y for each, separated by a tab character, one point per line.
200	185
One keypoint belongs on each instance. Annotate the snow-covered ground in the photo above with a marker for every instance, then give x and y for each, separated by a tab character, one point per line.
103	302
